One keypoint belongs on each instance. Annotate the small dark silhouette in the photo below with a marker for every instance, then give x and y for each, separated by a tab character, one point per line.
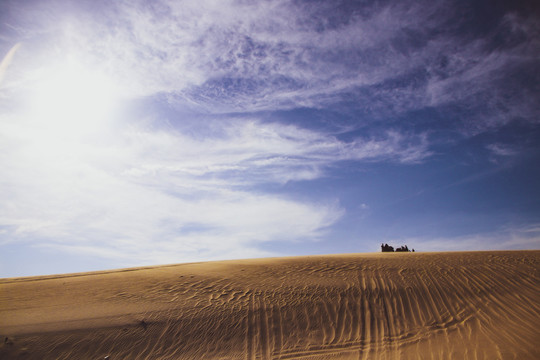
388	248
143	324
403	248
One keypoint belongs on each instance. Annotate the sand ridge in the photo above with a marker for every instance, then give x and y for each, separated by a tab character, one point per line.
467	305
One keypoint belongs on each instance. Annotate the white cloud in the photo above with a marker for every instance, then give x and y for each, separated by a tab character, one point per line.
251	55
148	194
250	152
229	54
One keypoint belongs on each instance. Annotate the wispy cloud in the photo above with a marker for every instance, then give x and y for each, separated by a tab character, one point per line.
148	193
502	150
506	238
245	56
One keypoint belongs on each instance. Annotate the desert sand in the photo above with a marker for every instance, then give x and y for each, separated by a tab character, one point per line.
462	305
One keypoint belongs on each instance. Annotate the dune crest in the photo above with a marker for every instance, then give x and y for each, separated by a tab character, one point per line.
474	305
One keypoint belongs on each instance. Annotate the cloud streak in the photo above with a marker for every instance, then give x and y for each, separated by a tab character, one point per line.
6	61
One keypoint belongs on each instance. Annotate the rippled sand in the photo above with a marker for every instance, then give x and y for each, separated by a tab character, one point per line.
475	305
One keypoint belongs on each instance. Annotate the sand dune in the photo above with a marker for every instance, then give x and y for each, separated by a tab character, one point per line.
476	305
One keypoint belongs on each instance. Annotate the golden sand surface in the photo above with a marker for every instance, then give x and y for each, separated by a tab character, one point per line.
459	305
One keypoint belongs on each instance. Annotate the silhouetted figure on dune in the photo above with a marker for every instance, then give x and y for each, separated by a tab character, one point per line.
388	248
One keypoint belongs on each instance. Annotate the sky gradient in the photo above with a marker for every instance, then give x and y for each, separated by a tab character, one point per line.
153	132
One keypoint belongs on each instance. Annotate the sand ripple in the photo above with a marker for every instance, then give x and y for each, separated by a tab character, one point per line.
477	305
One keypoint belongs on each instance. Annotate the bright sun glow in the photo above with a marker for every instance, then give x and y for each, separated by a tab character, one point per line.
70	101
70	108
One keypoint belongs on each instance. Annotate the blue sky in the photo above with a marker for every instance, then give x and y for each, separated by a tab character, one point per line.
152	132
